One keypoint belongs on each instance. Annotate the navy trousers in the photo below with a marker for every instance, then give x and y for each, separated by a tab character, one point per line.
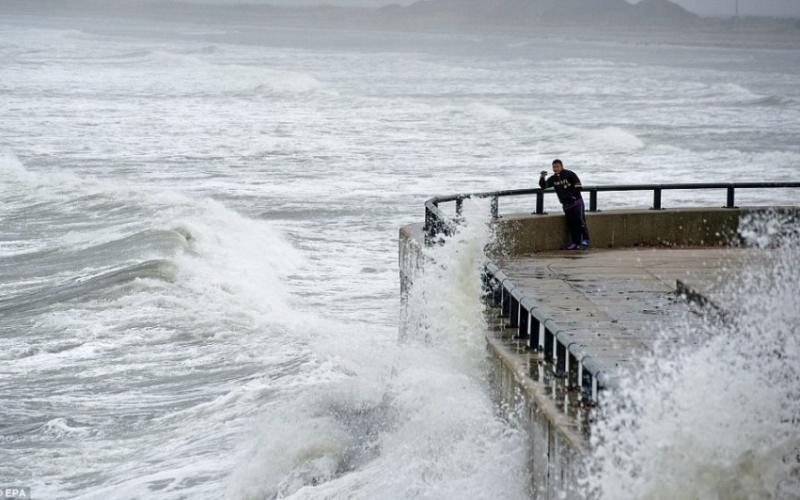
576	222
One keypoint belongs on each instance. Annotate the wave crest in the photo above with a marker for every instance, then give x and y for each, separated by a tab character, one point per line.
80	286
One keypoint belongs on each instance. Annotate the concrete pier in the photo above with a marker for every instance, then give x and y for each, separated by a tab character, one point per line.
609	306
563	325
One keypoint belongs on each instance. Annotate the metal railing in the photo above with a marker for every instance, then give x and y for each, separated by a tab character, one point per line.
436	222
564	350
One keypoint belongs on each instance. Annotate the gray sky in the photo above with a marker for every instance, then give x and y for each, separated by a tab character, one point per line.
780	8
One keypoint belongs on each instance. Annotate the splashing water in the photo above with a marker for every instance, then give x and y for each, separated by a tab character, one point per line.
399	420
444	302
719	416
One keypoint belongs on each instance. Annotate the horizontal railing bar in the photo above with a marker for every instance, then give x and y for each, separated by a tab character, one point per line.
620	187
437	222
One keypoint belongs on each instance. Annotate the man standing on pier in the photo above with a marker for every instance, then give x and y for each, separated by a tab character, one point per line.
568	188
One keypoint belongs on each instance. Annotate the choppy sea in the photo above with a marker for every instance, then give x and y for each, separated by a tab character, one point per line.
199	292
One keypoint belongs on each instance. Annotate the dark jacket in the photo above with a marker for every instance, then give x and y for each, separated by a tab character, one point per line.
566	184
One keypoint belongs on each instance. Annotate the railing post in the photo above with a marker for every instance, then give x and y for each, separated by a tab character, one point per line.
438	224
731	203
539	202
593	200
535	341
524	317
560	359
429	221
494	207
656	199
548	351
513	313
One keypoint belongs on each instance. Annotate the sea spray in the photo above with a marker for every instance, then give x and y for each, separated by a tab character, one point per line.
396	420
443	304
717	416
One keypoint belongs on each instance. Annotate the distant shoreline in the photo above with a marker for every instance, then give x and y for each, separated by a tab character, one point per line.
393	18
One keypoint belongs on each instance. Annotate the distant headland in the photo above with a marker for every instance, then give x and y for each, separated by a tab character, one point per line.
423	15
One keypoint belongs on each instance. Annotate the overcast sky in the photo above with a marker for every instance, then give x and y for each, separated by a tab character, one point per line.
781	8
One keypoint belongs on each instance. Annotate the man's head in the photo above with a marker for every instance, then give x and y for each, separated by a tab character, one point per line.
557	166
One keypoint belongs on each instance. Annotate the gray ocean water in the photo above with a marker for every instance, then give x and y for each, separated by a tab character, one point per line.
198	237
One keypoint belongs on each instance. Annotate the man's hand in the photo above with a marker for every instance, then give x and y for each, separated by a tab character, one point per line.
543	173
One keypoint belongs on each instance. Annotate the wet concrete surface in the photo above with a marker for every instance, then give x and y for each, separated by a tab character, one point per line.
615	302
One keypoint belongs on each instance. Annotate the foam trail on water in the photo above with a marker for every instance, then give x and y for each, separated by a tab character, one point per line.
717	417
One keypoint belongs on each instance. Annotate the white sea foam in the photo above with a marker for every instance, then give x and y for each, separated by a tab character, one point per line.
214	76
15	175
584	64
489	111
613	138
159	71
734	91
569	138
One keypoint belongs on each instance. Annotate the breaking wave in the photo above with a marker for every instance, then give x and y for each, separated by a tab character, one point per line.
771	101
613	138
396	421
83	286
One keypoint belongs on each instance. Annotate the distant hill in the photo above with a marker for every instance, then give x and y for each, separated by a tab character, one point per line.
426	14
664	12
549	12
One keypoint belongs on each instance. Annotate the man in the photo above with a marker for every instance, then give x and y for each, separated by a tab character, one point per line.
568	189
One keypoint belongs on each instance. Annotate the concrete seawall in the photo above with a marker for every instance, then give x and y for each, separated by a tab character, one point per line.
522	233
644	265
